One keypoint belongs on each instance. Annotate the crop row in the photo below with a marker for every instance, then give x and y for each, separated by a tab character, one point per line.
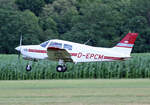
136	67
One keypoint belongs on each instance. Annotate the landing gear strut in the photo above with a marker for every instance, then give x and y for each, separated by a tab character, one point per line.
61	67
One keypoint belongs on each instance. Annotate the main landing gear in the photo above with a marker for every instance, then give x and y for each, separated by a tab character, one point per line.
61	67
28	66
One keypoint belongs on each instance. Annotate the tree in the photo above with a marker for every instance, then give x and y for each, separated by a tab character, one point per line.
105	22
97	23
137	20
33	5
49	27
13	24
49	1
8	4
63	13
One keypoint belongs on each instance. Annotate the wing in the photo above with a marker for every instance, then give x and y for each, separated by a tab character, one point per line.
57	53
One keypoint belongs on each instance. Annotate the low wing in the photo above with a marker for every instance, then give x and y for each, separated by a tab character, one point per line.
57	53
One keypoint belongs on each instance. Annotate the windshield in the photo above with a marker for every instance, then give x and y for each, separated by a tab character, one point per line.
44	44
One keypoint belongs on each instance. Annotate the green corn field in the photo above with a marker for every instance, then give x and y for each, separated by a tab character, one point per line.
136	67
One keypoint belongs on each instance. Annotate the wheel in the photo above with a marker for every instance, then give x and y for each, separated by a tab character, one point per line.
28	68
60	68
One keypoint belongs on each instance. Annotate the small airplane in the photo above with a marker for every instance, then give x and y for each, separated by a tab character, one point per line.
65	51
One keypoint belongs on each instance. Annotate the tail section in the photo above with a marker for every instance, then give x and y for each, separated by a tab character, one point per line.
126	44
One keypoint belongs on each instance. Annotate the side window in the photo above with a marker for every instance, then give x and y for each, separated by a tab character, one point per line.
55	44
67	46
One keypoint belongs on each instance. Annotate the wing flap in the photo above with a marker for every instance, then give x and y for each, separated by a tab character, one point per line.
57	53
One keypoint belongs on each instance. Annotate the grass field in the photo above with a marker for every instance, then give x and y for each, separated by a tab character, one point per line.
76	92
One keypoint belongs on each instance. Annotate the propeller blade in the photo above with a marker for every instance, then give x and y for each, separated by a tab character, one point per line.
21	40
19	53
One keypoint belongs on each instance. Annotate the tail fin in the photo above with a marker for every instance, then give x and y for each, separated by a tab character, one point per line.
126	44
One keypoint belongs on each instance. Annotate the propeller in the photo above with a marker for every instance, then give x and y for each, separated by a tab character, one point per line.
21	40
19	47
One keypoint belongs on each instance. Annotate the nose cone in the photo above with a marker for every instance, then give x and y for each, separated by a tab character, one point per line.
18	48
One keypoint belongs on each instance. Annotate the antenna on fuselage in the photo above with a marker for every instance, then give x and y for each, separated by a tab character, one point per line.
87	42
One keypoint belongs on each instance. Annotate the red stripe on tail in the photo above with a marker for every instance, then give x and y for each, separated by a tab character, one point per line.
129	38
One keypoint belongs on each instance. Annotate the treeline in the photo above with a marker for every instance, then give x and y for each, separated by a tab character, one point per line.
104	22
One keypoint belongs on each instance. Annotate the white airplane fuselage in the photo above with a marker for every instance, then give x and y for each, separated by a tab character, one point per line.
79	52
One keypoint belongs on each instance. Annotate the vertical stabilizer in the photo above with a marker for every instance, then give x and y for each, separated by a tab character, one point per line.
126	44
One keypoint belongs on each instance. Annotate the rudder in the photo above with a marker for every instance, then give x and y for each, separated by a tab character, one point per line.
126	44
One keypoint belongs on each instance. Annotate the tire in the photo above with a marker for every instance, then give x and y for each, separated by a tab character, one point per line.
28	68
59	68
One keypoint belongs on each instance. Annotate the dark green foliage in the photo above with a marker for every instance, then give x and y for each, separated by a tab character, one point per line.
49	27
13	24
8	4
33	5
63	13
49	1
104	22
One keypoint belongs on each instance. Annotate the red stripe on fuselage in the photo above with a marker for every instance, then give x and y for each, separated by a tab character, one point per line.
37	51
73	54
113	58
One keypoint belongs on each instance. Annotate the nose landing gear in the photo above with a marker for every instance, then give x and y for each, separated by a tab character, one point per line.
61	67
28	67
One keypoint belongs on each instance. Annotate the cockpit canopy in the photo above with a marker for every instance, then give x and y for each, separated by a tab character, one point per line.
67	46
56	45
